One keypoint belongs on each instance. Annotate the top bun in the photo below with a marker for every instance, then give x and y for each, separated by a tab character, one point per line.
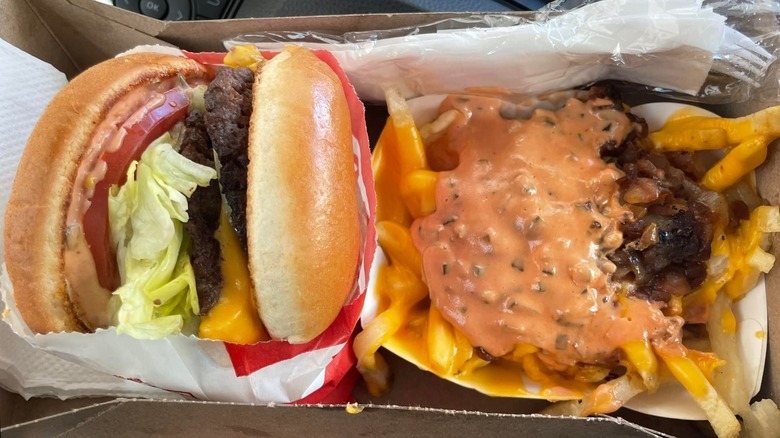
302	221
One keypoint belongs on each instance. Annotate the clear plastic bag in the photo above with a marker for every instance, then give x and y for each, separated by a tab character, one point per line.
738	70
712	54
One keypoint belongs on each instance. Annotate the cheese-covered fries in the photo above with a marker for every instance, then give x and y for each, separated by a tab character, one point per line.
558	251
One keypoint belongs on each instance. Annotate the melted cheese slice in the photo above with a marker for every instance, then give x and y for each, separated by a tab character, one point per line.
234	318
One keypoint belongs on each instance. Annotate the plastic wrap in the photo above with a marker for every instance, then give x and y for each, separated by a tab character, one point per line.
735	74
712	53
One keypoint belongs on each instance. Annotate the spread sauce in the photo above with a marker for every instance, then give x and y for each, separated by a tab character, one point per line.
90	299
515	252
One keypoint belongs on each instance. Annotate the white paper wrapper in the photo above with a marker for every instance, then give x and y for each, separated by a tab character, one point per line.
22	105
25	369
33	372
661	43
104	363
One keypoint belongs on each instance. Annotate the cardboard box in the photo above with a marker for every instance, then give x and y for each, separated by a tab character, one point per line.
74	34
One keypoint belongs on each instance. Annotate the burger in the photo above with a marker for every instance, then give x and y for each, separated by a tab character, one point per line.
162	195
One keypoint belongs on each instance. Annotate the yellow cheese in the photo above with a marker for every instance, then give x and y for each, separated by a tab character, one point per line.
418	189
728	321
687	373
441	343
390	205
748	136
234	318
737	163
246	55
640	354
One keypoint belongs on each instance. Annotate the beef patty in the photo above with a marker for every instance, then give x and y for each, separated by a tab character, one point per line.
222	129
228	109
204	209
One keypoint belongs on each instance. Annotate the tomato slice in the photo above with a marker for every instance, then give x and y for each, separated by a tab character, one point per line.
138	136
208	58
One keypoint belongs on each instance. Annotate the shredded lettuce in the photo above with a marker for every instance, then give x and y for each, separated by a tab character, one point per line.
197	100
158	295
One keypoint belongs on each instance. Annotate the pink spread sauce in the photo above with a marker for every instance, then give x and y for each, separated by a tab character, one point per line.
516	249
90	299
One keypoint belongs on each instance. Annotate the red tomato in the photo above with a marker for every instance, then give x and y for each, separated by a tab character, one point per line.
96	230
208	58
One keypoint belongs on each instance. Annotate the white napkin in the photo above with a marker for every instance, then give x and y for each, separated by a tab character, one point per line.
21	108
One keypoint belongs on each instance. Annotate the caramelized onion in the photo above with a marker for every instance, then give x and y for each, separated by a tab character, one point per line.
642	191
667	242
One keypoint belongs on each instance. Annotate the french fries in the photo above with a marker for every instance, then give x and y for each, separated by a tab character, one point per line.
738	162
641	356
686	371
610	396
408	140
568	408
745	139
682	139
765	122
714	379
434	130
396	241
441	343
399	143
404	290
730	378
605	399
762	420
418	189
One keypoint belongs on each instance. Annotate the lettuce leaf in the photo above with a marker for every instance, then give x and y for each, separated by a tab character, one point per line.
158	295
197	99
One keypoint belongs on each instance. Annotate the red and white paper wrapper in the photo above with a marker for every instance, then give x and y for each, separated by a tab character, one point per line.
321	371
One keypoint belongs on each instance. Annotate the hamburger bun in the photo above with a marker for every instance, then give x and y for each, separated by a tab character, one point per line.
300	148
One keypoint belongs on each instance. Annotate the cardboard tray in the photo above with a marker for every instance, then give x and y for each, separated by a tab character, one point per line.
74	34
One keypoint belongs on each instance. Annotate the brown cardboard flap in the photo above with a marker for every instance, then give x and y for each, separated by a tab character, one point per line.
24	28
75	34
188	419
768	178
58	423
411	388
112	30
84	36
135	21
414	387
205	36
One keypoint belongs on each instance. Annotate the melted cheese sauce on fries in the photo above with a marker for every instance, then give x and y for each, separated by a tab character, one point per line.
484	285
515	251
